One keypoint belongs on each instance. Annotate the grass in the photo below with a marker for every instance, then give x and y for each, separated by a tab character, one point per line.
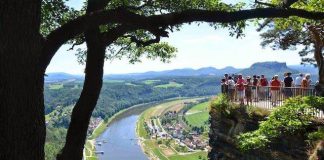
150	81
170	85
201	107
193	156
131	84
198	114
55	86
90	149
98	130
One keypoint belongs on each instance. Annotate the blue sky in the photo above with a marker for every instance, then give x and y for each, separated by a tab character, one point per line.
198	46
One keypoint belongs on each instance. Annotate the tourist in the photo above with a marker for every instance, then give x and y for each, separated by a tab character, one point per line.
231	88
298	82
288	83
224	87
255	83
226	77
299	79
275	90
263	87
240	88
234	76
305	85
248	91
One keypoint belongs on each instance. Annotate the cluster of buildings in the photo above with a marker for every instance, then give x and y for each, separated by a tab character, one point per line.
155	131
172	128
94	122
195	142
190	139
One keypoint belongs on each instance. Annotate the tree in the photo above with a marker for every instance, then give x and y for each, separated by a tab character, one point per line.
297	33
33	30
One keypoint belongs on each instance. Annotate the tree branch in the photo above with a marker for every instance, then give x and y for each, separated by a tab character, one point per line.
265	4
122	16
141	43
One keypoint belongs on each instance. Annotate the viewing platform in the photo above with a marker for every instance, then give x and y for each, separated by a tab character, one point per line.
264	97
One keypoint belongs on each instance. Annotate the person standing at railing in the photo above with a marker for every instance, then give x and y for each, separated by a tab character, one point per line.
305	85
235	77
231	88
288	83
248	90
263	87
298	82
226	77
275	90
224	87
240	88
255	83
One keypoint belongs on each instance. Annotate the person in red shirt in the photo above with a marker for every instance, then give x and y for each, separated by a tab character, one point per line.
263	87
275	90
240	88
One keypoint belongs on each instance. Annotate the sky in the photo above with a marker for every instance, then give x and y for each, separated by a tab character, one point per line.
198	46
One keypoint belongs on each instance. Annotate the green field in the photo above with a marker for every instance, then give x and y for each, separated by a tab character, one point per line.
198	114
195	156
150	81
55	86
170	85
131	84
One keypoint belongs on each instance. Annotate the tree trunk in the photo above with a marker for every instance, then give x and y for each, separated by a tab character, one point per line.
318	38
82	111
22	122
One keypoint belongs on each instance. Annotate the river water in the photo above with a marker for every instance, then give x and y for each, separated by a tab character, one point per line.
119	141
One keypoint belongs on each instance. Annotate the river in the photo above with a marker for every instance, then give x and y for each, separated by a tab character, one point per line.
119	141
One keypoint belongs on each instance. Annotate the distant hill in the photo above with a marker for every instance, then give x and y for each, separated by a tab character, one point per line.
176	72
61	76
268	69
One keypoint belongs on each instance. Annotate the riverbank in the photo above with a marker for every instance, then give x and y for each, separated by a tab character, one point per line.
89	148
89	151
163	148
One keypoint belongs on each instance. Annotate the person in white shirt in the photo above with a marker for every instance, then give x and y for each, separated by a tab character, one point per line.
231	88
299	80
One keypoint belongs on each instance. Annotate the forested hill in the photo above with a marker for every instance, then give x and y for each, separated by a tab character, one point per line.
120	94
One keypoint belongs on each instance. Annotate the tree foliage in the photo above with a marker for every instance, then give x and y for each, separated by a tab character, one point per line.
293	33
291	118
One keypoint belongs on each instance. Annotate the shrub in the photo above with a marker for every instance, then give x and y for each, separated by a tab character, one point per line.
295	115
222	105
317	135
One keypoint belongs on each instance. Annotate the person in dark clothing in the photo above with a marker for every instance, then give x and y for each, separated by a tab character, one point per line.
255	83
224	86
288	82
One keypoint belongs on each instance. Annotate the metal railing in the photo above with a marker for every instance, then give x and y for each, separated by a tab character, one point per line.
270	97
